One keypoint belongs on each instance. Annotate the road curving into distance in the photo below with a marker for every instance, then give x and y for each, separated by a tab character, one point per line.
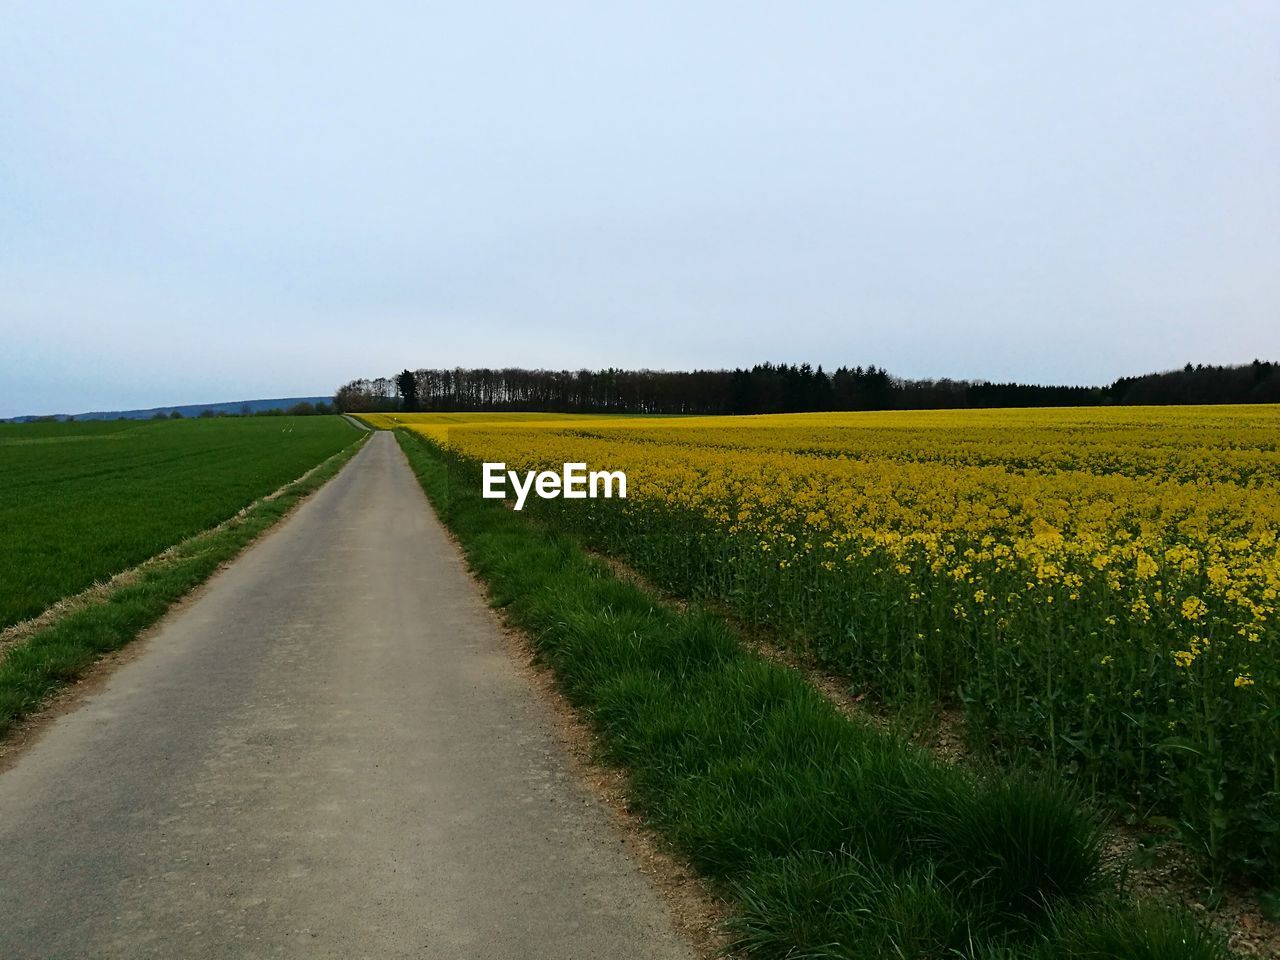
326	753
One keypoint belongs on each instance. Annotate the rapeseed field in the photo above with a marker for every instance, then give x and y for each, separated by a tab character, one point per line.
1092	590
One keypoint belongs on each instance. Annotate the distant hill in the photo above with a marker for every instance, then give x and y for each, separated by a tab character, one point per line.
186	409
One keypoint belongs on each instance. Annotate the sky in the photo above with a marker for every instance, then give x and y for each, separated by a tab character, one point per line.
219	201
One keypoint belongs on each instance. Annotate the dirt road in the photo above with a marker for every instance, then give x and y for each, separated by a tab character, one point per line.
326	754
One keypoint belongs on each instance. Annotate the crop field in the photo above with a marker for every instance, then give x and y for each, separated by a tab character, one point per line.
1093	591
81	502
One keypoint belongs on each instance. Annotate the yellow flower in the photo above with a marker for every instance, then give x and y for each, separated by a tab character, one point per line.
1244	680
1193	608
1146	567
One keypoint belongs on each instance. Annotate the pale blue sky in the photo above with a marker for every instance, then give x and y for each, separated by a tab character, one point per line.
215	201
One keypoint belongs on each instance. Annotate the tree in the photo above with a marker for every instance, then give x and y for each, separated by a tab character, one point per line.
407	386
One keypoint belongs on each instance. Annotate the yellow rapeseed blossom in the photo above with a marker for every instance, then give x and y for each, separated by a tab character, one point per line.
1159	517
1193	608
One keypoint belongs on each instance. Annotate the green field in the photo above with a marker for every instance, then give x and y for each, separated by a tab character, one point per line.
80	502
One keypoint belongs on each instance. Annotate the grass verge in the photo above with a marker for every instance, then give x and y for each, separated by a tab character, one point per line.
34	668
833	839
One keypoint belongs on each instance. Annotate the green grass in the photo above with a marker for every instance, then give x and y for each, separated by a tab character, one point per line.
81	502
830	837
57	655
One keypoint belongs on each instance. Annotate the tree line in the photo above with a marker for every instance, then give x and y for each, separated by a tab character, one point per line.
780	388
